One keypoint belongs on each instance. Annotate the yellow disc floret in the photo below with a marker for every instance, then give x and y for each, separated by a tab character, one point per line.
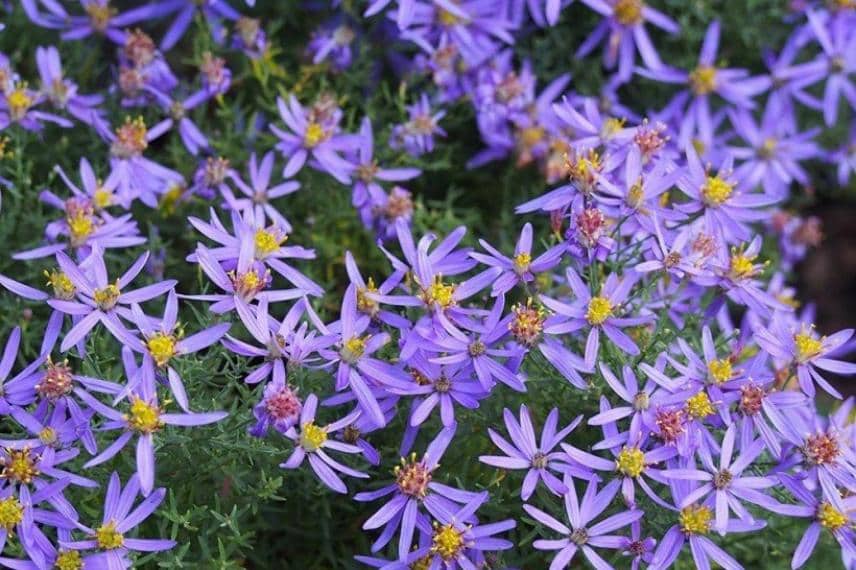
806	345
700	406
696	519
447	542
314	135
11	513
268	241
720	370
19	102
19	466
312	437
108	538
630	461
162	347
599	309
628	12
716	191
62	286
522	261
143	417
831	518
69	560
703	79
439	293
353	348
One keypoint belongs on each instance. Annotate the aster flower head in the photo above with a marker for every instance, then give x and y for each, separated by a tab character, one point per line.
18	106
416	136
540	460
312	441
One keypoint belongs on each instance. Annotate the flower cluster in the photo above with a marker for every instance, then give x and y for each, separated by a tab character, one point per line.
641	285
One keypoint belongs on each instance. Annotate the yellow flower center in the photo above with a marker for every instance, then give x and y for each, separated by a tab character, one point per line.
696	519
48	436
635	195
628	12
630	461
353	348
364	302
314	135
80	226
807	346
312	437
412	477
19	103
612	125
599	309
20	466
143	417
768	148
830	517
530	136
716	191
703	79
130	138
522	262
439	293
268	241
447	541
99	15
69	560
700	406
108	538
11	513
423	563
248	285
161	347
107	297
527	323
62	286
720	370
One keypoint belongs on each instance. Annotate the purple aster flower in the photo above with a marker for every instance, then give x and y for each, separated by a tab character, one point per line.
641	549
192	137
413	492
101	300
521	269
279	408
312	440
333	41
416	136
356	368
623	31
733	85
259	191
440	386
144	418
695	521
142	66
381	210
582	534
834	65
216	78
538	460
807	353
250	38
313	135
833	513
726	481
23	518
62	92
209	179
679	259
599	312
120	518
17	107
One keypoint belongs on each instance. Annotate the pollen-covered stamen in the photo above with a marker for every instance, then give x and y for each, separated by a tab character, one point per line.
719	370
57	382
102	197
99	15
527	323
591	224
443	384
312	437
807	346
743	266
650	139
139	48
268	241
439	294
19	102
314	135
637	548
830	518
509	88
283	405
539	460
672	259
108	538
412	477
399	204
162	347
11	513
579	536
419	378
477	348
628	12
107	297
522	261
584	168
250	283
699	406
598	311
213	69
367	172
630	461
48	436
722	479
670	424
703	80
131	138
612	126
62	286
822	448
716	191
69	560
751	399
447	542
641	401
636	195
365	303
215	172
80	219
143	417
421	124
354	348
19	466
696	519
